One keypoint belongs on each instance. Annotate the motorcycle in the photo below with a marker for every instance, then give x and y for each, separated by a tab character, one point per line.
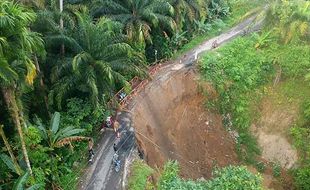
116	162
91	158
117	165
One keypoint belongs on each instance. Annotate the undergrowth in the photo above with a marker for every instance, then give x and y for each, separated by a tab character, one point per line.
236	70
230	177
140	172
300	133
240	71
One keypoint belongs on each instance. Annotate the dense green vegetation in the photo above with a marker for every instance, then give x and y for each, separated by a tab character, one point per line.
231	177
242	70
60	65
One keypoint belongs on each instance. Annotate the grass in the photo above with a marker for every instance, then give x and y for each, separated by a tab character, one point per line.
240	9
295	90
276	169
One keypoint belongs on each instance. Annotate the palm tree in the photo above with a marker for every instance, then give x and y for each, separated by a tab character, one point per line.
100	61
188	10
56	137
18	44
138	16
290	19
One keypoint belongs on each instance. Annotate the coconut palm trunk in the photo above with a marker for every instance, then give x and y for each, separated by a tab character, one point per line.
42	85
61	23
8	147
9	98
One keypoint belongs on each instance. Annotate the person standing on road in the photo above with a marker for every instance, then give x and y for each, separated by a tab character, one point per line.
114	147
90	146
116	128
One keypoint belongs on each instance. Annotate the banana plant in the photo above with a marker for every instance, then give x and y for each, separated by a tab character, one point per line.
59	137
22	180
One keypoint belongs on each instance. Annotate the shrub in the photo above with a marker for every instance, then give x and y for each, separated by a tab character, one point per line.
231	177
139	173
261	166
276	170
306	111
79	113
235	177
302	177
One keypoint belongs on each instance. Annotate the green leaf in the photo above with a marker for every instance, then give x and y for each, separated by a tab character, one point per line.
21	181
8	161
55	122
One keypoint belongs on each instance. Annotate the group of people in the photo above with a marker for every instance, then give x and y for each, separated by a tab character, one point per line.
109	123
115	160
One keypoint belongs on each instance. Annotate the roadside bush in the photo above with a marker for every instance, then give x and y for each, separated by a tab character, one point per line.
79	113
178	40
139	174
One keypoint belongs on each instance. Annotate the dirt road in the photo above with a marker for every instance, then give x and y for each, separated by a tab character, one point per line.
101	175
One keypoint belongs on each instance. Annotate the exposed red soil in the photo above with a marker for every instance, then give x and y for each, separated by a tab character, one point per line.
171	122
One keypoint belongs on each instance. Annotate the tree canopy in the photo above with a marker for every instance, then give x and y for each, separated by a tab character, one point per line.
69	58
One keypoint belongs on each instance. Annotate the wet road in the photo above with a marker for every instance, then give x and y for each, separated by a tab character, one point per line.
101	174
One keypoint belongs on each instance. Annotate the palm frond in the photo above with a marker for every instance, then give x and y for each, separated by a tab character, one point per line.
7	74
70	43
79	60
69	140
93	70
19	184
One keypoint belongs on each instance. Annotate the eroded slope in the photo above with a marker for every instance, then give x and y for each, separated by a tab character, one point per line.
172	123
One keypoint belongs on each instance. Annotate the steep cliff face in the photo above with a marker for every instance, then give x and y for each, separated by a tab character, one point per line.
171	122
